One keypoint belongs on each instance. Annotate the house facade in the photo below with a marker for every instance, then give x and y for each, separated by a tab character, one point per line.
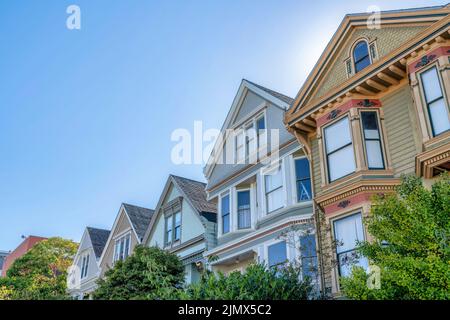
18	252
260	178
85	270
184	223
375	106
128	231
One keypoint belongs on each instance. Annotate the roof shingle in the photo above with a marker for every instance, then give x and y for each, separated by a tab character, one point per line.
195	191
140	218
276	94
99	237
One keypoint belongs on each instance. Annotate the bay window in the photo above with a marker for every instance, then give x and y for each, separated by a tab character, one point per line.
347	232
339	149
243	209
372	140
273	183
302	179
225	213
122	247
277	254
434	99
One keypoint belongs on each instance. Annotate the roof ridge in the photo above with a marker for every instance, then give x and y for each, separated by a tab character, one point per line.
268	89
133	205
184	178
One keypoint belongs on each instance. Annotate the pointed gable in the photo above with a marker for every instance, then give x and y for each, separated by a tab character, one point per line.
140	218
98	237
331	70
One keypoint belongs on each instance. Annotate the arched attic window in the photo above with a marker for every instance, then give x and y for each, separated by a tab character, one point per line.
361	58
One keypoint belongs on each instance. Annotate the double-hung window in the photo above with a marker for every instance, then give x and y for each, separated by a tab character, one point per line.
434	98
277	255
122	247
225	213
309	256
84	266
243	209
372	140
347	232
173	228
274	190
339	149
302	179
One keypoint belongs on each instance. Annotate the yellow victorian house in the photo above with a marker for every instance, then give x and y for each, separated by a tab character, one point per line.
375	106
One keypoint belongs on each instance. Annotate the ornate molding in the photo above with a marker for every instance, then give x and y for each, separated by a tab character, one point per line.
427	161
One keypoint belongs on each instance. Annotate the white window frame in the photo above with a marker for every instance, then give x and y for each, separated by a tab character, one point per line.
352	56
333	232
85	260
426	109
325	153
251	208
118	240
230	214
294	180
265	172
380	139
171	218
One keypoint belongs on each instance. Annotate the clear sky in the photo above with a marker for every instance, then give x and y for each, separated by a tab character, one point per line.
86	115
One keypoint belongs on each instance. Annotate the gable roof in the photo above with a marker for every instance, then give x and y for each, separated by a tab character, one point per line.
278	99
195	192
192	191
276	94
98	237
140	218
424	15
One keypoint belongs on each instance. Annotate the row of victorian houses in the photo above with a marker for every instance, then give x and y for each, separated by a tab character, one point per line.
374	107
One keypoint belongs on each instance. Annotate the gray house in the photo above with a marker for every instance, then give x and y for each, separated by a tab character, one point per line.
184	223
264	198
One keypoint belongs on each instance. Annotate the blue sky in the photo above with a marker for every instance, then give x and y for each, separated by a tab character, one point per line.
86	115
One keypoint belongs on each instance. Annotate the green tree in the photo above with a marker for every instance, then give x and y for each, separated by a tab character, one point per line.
412	232
149	273
41	273
258	282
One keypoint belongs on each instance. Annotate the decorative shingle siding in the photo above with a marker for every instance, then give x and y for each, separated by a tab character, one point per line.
400	129
387	40
316	167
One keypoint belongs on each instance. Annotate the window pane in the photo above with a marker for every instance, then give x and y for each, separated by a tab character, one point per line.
277	253
347	231
127	246
177	233
341	163
177	219
273	180
304	190
374	154
260	125
226	223
302	168
225	211
439	116
361	56
370	125
350	259
309	255
275	200
337	135
431	85
243	203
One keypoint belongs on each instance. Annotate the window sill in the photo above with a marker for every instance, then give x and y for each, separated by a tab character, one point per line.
378	173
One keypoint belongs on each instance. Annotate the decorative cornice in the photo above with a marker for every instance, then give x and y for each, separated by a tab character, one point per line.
362	186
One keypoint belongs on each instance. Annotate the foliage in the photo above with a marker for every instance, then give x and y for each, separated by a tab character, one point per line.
149	273
412	232
41	273
257	283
